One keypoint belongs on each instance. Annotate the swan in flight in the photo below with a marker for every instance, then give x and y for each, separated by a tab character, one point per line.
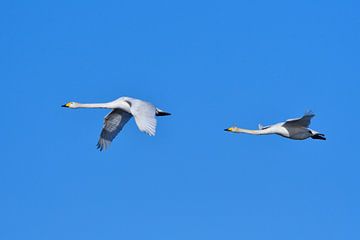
123	109
297	129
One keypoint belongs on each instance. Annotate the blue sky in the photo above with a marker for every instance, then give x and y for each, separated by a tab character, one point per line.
210	63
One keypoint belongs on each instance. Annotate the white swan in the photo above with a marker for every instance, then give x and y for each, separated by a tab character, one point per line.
297	129
122	110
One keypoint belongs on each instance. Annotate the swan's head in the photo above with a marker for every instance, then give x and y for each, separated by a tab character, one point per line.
232	129
70	105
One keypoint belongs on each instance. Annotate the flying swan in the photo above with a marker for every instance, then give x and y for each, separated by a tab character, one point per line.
297	129
123	109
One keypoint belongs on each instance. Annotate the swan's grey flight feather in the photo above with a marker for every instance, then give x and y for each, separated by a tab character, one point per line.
113	123
304	121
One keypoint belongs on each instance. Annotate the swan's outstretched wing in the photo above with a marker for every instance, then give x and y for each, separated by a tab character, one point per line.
144	114
113	123
304	121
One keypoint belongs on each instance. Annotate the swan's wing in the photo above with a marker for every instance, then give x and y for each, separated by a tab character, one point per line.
113	123
144	114
304	121
261	127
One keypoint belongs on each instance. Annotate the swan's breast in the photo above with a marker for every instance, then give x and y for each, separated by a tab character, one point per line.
281	131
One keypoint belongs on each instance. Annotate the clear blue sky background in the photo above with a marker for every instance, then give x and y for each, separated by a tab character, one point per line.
210	63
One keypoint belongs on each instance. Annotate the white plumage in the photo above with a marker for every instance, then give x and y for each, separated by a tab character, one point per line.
122	110
297	129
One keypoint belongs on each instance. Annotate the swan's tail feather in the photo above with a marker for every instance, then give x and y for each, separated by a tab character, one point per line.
161	113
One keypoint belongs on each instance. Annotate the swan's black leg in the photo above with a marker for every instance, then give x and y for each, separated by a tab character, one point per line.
318	136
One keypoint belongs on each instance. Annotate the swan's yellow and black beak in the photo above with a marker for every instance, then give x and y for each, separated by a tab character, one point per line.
230	129
66	105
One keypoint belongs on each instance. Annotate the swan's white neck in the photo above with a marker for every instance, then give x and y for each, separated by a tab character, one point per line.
253	132
94	105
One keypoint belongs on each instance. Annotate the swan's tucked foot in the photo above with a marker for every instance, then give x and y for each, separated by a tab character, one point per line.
319	136
160	113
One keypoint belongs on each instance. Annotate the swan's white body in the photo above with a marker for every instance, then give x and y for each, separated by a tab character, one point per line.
297	129
123	109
